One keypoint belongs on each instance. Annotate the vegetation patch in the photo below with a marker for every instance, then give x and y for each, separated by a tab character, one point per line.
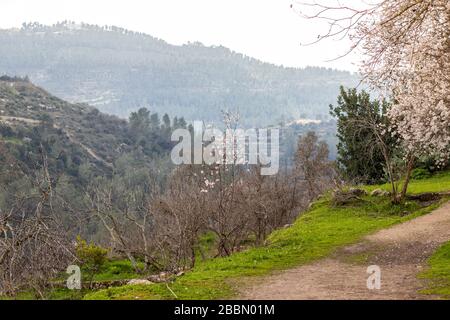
438	275
440	182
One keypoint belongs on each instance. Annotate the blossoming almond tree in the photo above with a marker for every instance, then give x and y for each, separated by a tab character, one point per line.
408	51
406	45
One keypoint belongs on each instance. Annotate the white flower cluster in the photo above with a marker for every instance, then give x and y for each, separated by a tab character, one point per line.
408	47
210	180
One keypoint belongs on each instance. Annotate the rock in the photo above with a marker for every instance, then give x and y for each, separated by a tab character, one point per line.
154	278
357	192
341	198
165	276
379	193
162	277
181	273
136	282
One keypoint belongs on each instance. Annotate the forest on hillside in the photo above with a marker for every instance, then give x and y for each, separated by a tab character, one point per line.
119	71
72	176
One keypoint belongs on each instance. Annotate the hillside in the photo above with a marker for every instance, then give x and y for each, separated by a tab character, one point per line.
75	142
26	111
25	108
119	71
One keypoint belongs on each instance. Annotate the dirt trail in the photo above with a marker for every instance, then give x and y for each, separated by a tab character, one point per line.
12	120
400	252
86	148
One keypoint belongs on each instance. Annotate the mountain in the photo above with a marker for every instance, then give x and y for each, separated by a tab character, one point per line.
119	71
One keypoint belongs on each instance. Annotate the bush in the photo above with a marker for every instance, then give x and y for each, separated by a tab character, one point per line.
420	173
91	256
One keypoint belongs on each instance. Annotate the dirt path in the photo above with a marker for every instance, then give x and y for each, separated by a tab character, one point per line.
12	120
400	252
86	148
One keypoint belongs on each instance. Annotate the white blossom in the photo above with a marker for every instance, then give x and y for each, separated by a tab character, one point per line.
408	48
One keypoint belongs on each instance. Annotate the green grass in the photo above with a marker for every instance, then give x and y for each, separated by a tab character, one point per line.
440	182
117	270
112	270
438	274
316	234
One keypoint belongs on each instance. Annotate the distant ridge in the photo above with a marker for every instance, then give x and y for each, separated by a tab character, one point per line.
119	71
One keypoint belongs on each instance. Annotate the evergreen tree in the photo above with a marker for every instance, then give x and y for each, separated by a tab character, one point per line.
140	123
154	121
166	121
359	158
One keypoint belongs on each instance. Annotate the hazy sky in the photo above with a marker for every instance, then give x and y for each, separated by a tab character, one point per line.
265	29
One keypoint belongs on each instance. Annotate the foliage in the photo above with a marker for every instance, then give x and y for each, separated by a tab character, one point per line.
359	155
92	257
420	173
406	54
78	133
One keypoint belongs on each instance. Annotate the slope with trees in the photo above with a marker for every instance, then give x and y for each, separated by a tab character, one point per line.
120	71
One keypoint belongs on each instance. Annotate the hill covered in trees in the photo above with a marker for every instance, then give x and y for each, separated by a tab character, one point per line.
73	140
119	71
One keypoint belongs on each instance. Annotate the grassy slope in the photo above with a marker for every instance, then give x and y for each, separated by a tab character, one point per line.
439	273
316	234
437	183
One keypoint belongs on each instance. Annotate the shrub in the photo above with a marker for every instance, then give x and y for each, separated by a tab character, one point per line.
91	257
420	173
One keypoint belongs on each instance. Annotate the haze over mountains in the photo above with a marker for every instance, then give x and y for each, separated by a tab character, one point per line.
119	71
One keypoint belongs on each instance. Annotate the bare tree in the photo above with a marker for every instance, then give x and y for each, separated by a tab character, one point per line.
124	209
34	243
312	164
271	202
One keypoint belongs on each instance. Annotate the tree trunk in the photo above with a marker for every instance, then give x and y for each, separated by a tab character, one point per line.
409	169
193	258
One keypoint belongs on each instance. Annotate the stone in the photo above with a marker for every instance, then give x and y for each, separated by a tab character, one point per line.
358	192
137	282
379	193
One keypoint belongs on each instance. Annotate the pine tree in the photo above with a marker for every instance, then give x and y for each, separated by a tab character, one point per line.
359	157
